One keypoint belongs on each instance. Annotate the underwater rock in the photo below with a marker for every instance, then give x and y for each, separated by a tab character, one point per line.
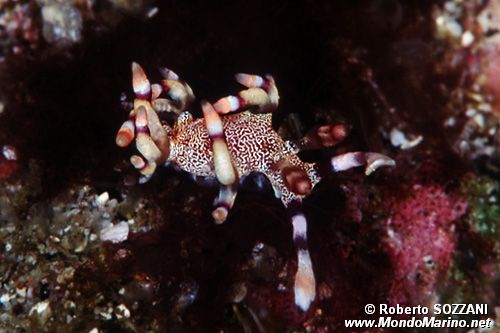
116	233
19	28
62	23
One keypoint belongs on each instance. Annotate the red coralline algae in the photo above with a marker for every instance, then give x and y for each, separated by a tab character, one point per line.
7	168
420	241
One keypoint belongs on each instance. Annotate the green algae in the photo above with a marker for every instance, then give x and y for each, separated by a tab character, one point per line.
484	206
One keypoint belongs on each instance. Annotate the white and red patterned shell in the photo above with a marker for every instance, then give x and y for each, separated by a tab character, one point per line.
252	142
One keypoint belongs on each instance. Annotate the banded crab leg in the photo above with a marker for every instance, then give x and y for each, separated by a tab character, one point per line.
295	181
179	92
145	127
373	161
261	96
225	170
304	287
331	135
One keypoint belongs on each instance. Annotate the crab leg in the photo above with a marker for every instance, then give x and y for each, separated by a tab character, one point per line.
261	93
355	159
225	170
297	183
151	138
144	167
142	91
140	83
305	283
224	202
179	92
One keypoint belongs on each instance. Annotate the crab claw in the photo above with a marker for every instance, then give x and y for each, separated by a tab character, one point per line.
179	92
169	74
294	178
373	161
330	135
140	82
261	93
323	136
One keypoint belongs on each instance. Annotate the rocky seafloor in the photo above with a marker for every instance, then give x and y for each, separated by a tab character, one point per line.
85	248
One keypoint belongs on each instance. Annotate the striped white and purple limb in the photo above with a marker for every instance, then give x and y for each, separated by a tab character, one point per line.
373	161
179	93
298	184
224	202
304	284
224	167
261	96
145	127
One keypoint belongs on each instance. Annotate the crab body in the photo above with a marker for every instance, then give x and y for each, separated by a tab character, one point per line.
252	142
233	139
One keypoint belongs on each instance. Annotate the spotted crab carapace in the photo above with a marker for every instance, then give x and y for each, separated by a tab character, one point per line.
233	139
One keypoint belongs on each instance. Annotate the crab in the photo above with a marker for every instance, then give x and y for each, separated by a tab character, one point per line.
233	139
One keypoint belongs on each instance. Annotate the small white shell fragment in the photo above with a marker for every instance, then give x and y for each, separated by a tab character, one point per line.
103	314
440	21
9	153
467	38
102	199
5	298
450	122
398	139
122	311
454	28
427	258
152	12
479	120
450	7
40	307
485	107
470	112
116	233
